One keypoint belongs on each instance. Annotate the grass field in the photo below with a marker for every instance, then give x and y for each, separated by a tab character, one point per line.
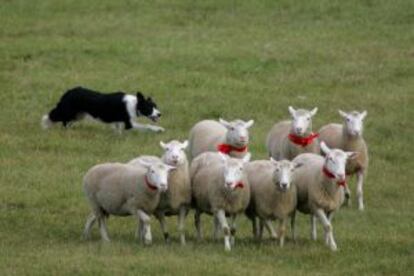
201	59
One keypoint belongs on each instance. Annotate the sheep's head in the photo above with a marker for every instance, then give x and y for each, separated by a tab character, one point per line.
157	174
353	122
283	173
335	161
237	132
234	171
174	154
302	120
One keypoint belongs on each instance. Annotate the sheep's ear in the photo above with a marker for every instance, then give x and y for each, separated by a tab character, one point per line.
297	165
314	111
249	124
364	114
352	154
343	114
325	148
144	163
163	145
224	123
292	111
223	156
274	162
247	157
184	144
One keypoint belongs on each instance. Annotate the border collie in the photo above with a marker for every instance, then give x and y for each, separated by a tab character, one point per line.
118	108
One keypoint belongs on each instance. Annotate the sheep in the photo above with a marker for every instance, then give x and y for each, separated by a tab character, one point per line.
287	139
227	137
219	187
177	199
319	191
121	190
348	137
272	195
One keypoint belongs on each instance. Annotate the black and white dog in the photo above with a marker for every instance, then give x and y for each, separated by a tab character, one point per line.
118	108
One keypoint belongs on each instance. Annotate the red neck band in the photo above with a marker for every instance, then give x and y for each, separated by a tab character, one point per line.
240	185
150	186
332	176
226	148
302	141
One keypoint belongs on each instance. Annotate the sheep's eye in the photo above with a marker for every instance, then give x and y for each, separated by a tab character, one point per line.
308	118
348	120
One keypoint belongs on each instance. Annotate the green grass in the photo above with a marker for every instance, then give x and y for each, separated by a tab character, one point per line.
201	59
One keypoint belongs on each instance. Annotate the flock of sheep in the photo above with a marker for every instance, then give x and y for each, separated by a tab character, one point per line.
306	172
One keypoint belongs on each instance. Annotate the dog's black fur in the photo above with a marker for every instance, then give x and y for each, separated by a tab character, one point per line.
108	108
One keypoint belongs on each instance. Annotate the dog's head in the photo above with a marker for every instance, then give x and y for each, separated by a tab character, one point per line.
147	107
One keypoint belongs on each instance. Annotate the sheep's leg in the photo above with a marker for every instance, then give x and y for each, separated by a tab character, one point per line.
270	229
88	226
139	126
360	184
261	226
197	222
282	232
314	234
145	219
233	230
181	223
216	228
328	228
103	229
161	218
139	231
221	216
347	195
293	226
255	228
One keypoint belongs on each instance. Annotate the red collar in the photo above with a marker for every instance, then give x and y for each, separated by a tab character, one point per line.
226	148
302	141
150	186
332	176
239	185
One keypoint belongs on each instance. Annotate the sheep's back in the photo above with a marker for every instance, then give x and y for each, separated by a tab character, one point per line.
331	134
206	136
275	139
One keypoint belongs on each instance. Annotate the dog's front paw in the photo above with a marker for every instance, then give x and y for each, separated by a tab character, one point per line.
156	128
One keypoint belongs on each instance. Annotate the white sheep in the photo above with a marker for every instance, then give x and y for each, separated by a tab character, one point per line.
348	137
122	190
227	137
319	190
177	199
287	139
220	187
272	194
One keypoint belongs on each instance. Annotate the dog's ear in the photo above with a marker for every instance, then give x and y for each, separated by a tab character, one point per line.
140	96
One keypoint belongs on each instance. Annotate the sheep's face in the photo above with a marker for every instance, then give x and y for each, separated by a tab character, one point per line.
302	120
237	132
234	171
174	154
157	174
283	173
335	161
353	122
